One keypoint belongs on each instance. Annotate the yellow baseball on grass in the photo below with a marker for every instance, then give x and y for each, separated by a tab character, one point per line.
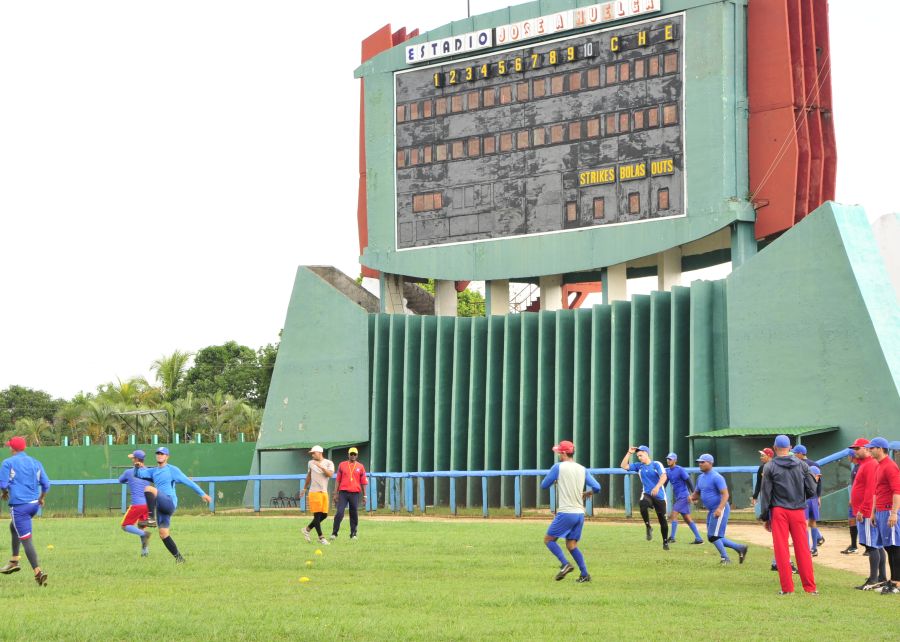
304	579
318	551
308	563
49	547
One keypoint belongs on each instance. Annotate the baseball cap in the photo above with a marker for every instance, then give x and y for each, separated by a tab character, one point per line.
17	443
644	448
353	451
878	442
815	470
799	450
860	443
316	449
564	446
137	454
768	452
706	457
162	451
672	456
782	441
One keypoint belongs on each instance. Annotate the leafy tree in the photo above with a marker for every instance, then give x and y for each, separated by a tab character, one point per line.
37	432
230	369
265	356
18	402
469	303
170	373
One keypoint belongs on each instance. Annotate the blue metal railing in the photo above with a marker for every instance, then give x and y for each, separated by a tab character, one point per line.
399	487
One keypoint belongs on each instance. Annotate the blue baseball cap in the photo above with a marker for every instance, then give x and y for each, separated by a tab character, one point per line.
799	450
644	448
782	441
879	442
162	451
815	470
672	456
707	458
137	454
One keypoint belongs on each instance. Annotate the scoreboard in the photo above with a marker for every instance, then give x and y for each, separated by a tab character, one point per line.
571	133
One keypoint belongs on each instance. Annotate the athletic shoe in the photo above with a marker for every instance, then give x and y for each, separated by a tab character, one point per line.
869	585
353	537
11	567
671	540
794	569
665	545
145	540
564	570
147	523
785	592
742	554
649	534
890	589
323	541
145	552
724	561
814	552
306	534
583	579
774	567
333	537
41	578
812	592
866	553
850	550
697	541
820	541
179	559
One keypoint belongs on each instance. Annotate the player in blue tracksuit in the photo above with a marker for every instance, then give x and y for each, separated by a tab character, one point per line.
713	492
24	484
653	478
682	488
136	518
164	476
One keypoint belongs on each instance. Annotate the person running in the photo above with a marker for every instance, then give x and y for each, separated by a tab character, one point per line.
713	493
24	484
786	486
681	494
887	505
164	476
862	495
348	483
653	478
570	479
137	513
319	471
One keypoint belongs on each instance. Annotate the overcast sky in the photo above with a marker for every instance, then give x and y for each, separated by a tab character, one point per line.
166	166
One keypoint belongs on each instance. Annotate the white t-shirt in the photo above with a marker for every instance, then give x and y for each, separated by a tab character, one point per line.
319	480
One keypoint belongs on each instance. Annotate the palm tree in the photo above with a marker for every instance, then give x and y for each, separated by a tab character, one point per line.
99	420
170	371
35	431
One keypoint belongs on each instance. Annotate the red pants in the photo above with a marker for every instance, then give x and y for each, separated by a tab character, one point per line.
783	522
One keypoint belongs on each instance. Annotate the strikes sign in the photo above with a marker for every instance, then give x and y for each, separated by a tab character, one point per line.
575	133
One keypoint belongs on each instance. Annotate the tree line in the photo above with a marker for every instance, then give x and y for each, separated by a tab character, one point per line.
217	390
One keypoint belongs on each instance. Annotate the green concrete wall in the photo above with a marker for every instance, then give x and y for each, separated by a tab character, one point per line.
715	129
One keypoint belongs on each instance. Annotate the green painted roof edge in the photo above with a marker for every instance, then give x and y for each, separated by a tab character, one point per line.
801	431
306	445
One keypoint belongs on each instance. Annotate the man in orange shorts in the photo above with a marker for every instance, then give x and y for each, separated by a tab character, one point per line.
137	512
319	471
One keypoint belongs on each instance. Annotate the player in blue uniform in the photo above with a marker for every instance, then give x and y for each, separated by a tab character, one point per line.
164	476
812	513
137	513
682	488
713	492
653	478
24	484
570	479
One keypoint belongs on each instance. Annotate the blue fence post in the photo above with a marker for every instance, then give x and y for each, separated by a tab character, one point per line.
422	495
177	438
65	440
484	496
218	438
109	440
517	493
124	500
155	439
256	489
81	499
453	495
390	494
409	495
132	439
553	498
589	505
627	495
212	497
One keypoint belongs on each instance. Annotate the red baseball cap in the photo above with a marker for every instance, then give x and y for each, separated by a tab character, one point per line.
768	452
564	447
19	444
860	443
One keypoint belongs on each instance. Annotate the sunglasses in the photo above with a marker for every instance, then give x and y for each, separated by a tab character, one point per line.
353	455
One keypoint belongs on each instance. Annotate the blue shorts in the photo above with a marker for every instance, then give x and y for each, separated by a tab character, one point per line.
715	526
21	515
850	514
165	508
566	525
812	508
867	534
887	536
682	505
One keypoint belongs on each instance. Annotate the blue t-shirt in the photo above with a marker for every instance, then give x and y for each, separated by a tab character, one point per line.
650	475
165	478
24	477
135	486
711	485
681	483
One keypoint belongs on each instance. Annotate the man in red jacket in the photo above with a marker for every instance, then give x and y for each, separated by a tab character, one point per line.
861	494
349	483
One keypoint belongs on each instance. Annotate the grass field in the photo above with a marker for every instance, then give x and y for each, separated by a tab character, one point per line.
415	579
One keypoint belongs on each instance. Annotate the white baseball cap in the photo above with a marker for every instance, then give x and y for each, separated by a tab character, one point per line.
316	449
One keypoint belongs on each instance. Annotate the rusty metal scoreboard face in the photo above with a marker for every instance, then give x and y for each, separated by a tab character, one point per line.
563	135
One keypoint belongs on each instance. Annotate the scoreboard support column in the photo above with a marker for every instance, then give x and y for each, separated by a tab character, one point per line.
743	243
497	298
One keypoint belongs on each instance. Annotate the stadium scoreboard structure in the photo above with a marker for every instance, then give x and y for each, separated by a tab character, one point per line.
527	142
